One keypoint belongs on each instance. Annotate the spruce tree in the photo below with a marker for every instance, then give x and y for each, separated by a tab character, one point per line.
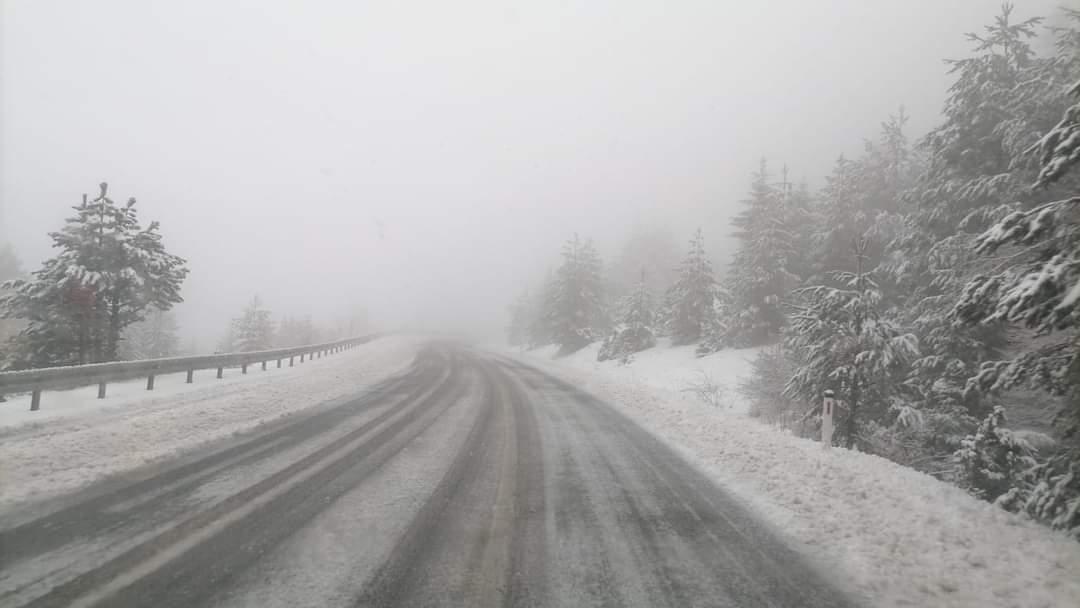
9	269
253	330
802	216
845	343
760	275
109	272
575	308
1037	284
636	331
843	219
689	302
972	163
991	460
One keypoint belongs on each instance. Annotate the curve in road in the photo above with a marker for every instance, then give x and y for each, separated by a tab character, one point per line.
534	493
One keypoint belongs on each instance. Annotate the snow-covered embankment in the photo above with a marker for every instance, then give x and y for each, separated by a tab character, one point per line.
895	536
76	439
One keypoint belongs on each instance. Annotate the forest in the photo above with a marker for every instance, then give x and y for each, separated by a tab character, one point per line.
932	283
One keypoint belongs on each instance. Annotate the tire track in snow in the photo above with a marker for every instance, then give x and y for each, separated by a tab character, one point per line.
184	565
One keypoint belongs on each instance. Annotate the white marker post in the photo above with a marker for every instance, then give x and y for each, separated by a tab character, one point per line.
826	419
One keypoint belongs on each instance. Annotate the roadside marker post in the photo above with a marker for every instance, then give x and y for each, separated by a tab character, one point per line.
827	419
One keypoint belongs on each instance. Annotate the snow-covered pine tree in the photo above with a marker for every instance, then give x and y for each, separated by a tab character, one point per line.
716	332
972	163
575	307
636	331
760	278
152	338
844	342
689	301
888	167
862	199
991	460
1037	283
801	216
9	269
109	271
843	219
253	330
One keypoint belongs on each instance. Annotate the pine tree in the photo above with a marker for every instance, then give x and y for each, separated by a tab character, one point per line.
716	332
992	459
254	329
843	219
862	199
846	344
1038	284
109	271
575	311
689	303
801	215
9	269
152	338
972	163
636	331
760	278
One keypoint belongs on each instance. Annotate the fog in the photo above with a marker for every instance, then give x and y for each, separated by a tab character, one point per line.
425	161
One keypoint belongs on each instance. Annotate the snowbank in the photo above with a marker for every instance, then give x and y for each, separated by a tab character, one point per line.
76	439
671	368
896	536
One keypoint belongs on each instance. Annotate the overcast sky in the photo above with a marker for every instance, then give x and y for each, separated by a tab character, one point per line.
426	159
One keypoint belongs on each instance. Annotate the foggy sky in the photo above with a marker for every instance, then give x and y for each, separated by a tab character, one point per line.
273	139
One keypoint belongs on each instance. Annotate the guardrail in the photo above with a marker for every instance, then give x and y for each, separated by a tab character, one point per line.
35	381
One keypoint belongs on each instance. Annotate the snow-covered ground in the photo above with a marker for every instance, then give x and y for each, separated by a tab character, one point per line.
671	368
895	536
76	439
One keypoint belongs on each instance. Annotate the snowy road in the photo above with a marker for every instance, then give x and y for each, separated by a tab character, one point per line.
468	480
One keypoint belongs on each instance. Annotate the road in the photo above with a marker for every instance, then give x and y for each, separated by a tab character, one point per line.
468	480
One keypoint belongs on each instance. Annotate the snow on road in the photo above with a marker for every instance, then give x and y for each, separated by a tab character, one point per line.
897	537
76	439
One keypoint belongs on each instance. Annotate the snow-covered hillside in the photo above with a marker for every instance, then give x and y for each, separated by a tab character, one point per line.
900	537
